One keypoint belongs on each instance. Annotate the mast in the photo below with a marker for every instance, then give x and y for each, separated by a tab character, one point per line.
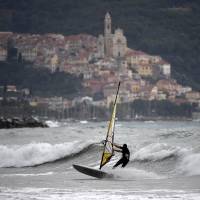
108	146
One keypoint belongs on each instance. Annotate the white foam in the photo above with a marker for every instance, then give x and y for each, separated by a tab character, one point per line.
149	122
191	164
118	125
37	153
92	194
52	124
133	173
38	174
83	122
158	151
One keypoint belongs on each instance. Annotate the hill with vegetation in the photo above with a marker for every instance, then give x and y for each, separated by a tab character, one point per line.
41	81
169	28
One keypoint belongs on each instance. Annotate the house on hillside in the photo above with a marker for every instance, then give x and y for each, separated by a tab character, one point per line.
3	54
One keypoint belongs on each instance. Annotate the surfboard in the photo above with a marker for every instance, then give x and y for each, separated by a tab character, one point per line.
92	172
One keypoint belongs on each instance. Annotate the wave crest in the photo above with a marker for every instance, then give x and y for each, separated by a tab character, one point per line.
158	152
38	153
52	124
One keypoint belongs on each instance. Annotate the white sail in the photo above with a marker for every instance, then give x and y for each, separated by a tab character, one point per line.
108	146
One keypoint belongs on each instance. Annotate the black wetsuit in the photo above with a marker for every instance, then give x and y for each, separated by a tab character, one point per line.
125	157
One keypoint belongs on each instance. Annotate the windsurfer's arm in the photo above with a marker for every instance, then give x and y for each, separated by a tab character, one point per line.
117	147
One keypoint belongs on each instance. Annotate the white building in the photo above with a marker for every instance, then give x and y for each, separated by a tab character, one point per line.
165	69
28	53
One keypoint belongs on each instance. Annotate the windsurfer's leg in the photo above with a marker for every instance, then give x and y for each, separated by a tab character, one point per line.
118	163
125	162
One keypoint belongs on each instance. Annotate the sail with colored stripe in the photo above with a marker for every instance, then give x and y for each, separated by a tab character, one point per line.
108	146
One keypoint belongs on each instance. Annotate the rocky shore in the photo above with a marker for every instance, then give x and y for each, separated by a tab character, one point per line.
21	123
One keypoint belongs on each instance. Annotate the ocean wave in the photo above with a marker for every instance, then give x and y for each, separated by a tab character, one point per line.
84	122
190	164
39	153
24	175
130	173
52	124
177	133
157	152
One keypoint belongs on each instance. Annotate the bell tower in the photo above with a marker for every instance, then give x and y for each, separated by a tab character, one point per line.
108	35
107	25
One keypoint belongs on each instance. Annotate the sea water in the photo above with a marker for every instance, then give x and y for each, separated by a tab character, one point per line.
36	163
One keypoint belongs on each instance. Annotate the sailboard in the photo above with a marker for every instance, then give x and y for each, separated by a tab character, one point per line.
108	151
92	172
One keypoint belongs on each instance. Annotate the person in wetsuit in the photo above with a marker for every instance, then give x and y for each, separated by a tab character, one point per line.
125	155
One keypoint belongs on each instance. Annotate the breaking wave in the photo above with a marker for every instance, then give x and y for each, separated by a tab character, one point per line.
186	161
39	153
52	124
190	164
33	154
157	152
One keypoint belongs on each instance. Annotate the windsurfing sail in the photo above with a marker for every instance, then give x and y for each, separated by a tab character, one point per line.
108	146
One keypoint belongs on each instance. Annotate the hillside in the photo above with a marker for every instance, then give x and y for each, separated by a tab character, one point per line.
41	82
169	28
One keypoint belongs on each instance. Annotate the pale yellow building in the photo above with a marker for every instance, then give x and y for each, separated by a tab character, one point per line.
54	62
145	70
28	53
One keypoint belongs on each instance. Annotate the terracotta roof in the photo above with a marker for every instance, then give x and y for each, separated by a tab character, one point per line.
162	62
135	53
165	82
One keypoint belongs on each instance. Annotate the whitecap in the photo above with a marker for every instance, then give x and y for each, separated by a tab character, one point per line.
37	153
190	164
52	124
158	151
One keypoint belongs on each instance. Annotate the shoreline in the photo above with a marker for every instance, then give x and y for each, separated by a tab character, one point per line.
124	120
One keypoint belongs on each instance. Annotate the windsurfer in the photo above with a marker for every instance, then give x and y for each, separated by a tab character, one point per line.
125	155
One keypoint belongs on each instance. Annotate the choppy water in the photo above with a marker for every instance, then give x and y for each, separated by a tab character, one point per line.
37	163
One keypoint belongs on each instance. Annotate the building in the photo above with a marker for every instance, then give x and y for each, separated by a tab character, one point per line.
111	45
109	90
145	70
28	53
3	54
54	63
165	68
169	86
136	58
193	96
119	44
94	86
100	46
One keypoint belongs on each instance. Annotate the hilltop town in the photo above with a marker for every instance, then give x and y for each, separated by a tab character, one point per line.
101	62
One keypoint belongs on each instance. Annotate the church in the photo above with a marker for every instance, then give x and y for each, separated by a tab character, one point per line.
111	45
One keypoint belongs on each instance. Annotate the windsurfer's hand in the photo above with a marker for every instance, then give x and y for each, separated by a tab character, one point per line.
103	142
